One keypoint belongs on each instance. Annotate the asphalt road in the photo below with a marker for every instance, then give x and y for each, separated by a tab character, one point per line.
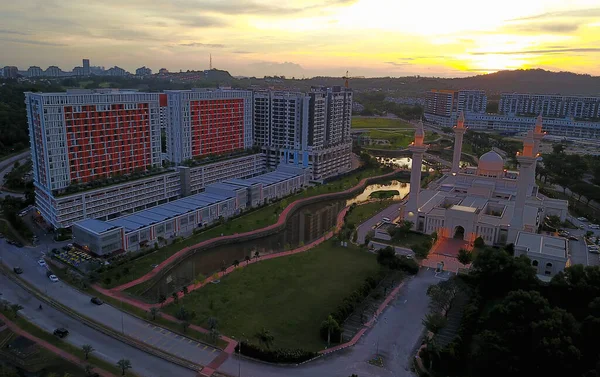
391	212
105	314
6	167
395	337
106	348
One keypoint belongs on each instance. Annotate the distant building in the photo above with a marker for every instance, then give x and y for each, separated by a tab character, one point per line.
34	71
116	71
53	71
10	71
550	106
143	71
445	105
357	107
163	71
78	71
86	67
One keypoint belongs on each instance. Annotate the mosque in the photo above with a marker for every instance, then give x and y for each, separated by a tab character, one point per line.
486	201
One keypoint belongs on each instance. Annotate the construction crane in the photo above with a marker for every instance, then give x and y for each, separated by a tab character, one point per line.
347	78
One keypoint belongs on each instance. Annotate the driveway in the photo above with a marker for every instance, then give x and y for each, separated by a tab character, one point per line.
107	315
106	348
391	212
395	337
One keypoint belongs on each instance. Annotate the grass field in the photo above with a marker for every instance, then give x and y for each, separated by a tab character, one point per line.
361	213
359	122
253	220
289	296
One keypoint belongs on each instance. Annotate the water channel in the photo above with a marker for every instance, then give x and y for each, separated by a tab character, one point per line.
304	225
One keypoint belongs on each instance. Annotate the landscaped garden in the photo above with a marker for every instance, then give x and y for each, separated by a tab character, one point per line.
289	297
360	213
256	219
360	122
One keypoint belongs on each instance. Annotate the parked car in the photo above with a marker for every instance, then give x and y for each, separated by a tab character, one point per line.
53	278
55	251
582	219
386	220
18	270
572	237
594	249
42	263
61	332
66	248
594	226
96	300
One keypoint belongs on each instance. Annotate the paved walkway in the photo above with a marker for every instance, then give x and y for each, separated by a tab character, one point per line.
63	354
231	343
280	222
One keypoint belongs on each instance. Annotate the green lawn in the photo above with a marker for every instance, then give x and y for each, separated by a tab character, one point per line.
384	194
361	213
359	122
410	240
289	296
256	219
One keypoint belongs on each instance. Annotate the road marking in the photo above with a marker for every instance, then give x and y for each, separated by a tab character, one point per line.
214	350
163	331
190	341
149	325
178	337
199	345
205	347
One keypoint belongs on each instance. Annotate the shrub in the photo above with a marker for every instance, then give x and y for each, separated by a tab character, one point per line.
335	333
479	242
282	355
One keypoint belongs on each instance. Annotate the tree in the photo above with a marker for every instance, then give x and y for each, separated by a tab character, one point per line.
402	230
256	254
247	258
213	323
479	242
124	364
223	270
153	313
331	325
89	370
235	263
175	297
184	290
434	322
498	273
265	338
185	325
464	257
214	335
161	299
14	308
87	349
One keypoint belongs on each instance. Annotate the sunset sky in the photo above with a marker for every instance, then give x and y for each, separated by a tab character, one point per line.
305	37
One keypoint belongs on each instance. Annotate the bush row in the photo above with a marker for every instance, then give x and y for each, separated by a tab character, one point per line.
345	309
281	355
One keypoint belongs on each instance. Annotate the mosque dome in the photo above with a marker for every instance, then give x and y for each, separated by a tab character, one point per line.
491	162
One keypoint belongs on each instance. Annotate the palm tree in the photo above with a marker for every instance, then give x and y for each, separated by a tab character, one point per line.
184	290
214	335
15	309
223	269
89	370
247	259
124	364
175	297
213	323
256	254
331	325
161	299
185	325
87	349
265	338
236	263
154	312
434	322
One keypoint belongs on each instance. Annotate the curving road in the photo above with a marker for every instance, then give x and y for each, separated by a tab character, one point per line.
5	168
106	347
107	315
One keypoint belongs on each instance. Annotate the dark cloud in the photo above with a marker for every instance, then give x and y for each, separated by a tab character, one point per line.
549	27
580	13
198	44
534	52
30	42
5	31
402	64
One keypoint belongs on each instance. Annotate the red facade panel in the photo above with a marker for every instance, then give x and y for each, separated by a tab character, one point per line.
217	126
104	143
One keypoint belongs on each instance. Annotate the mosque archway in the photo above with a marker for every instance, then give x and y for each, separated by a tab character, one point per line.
459	233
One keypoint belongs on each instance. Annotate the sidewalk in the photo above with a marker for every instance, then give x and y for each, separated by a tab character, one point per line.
42	343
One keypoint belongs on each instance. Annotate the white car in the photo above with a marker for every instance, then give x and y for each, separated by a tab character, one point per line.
582	219
42	263
594	226
53	278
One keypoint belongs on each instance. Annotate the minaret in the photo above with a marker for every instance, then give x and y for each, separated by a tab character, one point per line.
538	135
417	148
459	131
526	160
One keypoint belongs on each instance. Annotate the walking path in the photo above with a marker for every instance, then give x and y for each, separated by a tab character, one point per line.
63	354
280	222
231	344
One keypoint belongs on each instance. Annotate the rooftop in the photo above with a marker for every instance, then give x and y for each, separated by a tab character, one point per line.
96	226
541	244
